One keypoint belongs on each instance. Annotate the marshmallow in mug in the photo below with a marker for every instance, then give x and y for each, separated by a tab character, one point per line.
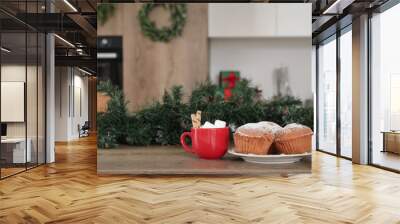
217	124
220	124
208	125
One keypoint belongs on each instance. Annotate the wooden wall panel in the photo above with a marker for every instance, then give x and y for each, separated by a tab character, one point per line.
150	68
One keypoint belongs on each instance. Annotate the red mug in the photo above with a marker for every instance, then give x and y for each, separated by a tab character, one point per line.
207	143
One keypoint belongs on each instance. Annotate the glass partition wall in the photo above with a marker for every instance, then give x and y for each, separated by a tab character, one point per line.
334	80
385	89
334	95
327	95
345	92
22	98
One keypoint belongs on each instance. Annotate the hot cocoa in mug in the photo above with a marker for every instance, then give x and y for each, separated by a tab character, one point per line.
207	143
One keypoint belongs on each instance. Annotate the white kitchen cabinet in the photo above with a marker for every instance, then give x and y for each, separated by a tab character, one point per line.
259	20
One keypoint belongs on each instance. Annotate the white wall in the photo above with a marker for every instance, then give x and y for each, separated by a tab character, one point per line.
80	84
62	81
70	83
15	72
259	60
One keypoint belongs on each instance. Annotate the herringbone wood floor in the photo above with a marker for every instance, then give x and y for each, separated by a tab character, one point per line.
69	191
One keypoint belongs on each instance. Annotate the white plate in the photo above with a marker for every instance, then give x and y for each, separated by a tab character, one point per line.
270	159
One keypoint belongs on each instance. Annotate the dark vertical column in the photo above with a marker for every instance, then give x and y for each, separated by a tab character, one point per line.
338	76
37	90
45	95
26	86
369	90
45	89
317	96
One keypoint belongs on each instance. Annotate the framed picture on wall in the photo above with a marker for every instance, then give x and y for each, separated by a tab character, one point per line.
12	101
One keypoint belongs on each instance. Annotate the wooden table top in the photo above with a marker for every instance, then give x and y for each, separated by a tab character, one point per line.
167	160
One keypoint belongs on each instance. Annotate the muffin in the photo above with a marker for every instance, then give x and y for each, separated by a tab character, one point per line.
268	125
293	139
274	128
253	138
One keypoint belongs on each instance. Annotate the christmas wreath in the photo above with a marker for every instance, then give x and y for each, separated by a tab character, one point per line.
104	12
163	34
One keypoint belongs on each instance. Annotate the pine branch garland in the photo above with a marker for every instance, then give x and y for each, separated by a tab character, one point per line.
163	122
